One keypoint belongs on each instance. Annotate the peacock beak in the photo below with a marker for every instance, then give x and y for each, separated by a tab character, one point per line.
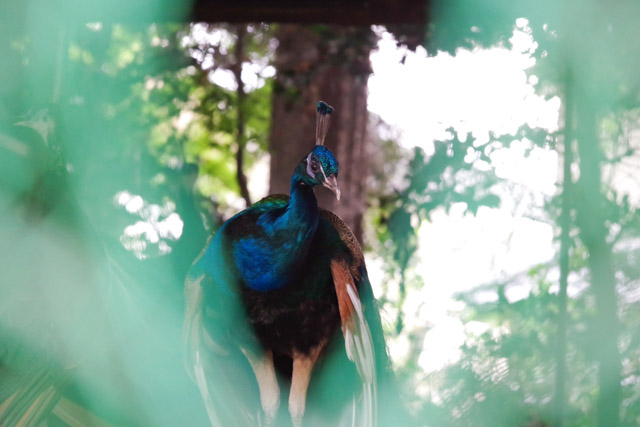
332	184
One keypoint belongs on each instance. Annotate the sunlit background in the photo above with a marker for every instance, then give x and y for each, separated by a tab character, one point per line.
502	235
480	92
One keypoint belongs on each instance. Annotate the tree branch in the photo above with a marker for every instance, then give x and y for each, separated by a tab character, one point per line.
565	243
240	143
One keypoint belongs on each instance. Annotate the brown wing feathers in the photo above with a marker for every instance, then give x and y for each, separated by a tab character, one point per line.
341	279
357	335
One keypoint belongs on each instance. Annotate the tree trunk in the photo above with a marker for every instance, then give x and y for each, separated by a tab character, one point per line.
329	64
565	243
591	218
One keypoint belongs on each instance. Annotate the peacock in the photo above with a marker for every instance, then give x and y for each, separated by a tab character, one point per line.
266	300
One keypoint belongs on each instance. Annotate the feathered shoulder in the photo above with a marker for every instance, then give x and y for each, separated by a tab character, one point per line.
276	201
272	201
345	233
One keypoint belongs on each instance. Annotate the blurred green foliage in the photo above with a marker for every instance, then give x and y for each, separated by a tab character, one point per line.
585	53
116	162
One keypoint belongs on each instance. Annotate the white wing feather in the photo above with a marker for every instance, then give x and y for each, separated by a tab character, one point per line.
359	346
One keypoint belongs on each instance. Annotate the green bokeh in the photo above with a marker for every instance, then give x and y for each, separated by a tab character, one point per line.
96	312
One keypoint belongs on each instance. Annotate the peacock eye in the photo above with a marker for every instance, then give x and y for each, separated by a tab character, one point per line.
314	167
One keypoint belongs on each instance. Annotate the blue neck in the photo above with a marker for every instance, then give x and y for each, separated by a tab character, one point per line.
303	206
271	262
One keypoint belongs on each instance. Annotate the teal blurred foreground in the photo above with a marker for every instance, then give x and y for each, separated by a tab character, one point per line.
117	162
88	329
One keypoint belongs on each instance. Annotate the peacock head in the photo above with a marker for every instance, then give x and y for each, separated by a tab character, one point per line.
320	167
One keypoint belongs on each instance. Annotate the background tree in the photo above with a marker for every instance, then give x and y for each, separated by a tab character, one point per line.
329	63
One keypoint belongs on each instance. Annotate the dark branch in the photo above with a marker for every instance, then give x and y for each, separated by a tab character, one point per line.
237	72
